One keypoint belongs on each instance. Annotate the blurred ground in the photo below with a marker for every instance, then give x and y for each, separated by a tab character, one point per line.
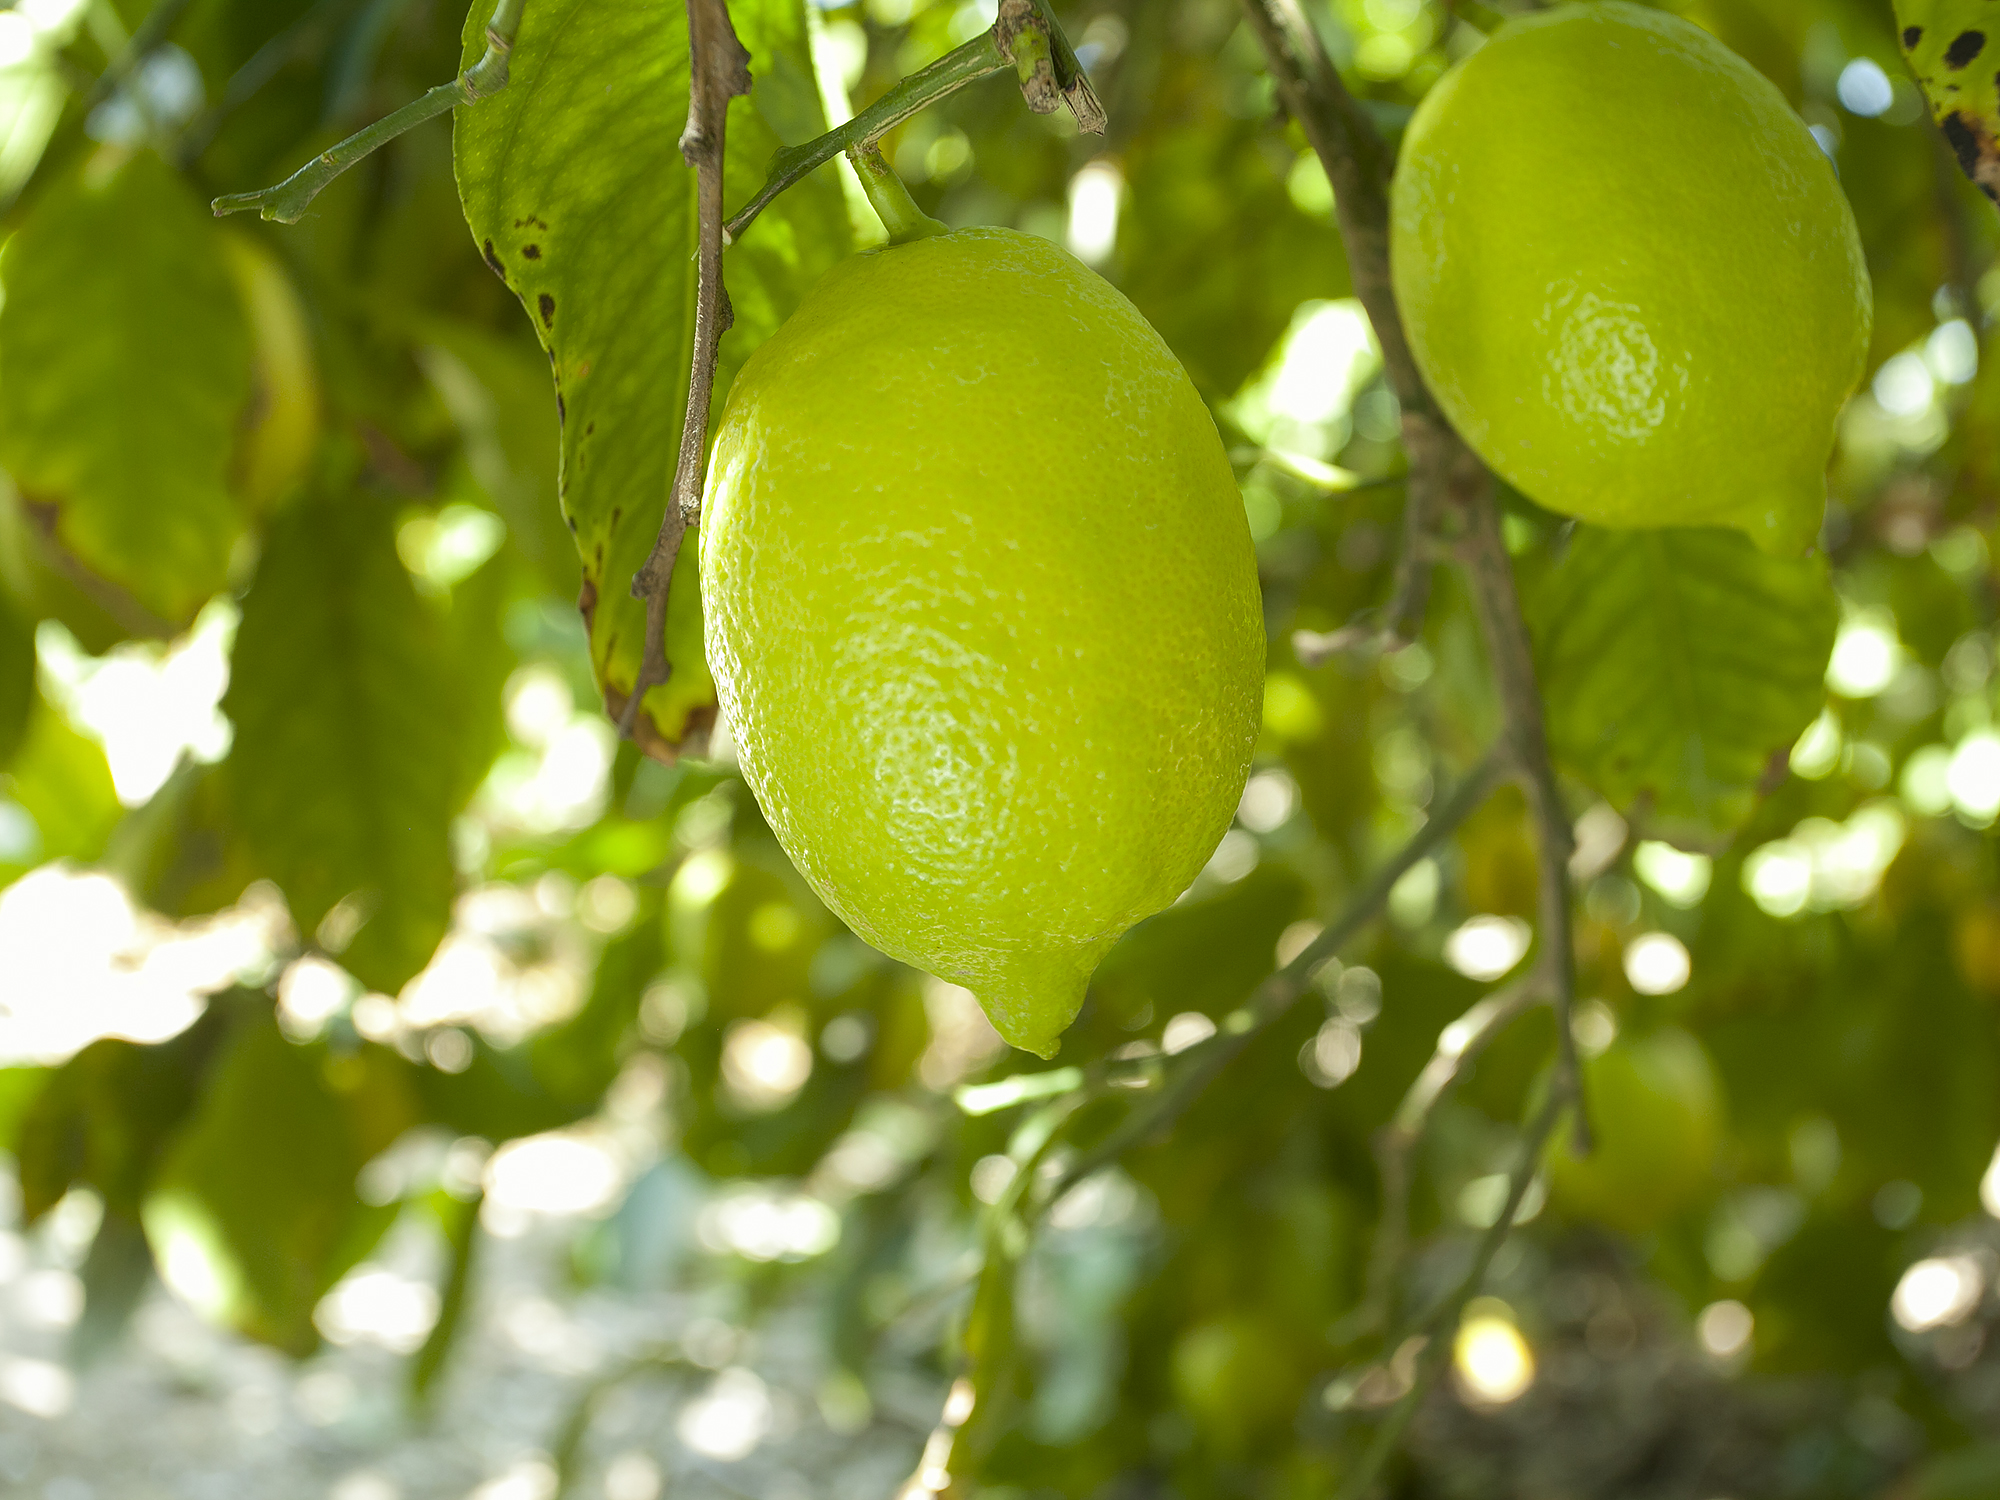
184	1412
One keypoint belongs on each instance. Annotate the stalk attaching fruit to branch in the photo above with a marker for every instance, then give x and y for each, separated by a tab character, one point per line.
1024	38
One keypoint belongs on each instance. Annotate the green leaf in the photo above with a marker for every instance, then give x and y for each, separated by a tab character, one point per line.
497	391
104	1117
575	189
258	1191
349	760
124	365
1675	664
62	782
560	1075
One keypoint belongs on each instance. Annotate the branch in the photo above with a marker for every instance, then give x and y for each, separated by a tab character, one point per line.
1358	163
1447	480
718	71
1448	486
1491	581
287	202
1024	36
1277	994
1458	1045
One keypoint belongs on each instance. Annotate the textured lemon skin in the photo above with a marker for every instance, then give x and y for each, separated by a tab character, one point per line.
1630	276
982	612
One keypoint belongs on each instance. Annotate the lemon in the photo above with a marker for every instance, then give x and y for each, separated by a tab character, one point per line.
1629	275
1239	1376
982	612
1656	1114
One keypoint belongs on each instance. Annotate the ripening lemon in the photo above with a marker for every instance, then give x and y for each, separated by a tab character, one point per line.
1629	274
1656	1114
982	611
1240	1377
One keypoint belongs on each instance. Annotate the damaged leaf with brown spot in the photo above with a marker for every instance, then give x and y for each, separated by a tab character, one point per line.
573	183
1951	46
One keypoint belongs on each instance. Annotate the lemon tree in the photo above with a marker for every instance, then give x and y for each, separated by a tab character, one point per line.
1159	812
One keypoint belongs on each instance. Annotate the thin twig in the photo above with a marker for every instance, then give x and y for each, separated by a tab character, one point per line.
1278	993
1357	162
287	201
1437	1326
1458	1045
1447	481
718	71
1024	38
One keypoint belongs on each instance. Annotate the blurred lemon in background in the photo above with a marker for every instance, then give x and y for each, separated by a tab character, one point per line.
982	610
1656	1115
1239	1377
1629	275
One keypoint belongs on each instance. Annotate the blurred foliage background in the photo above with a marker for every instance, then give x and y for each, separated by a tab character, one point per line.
363	999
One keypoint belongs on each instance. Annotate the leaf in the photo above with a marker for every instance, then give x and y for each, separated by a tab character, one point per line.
62	782
258	1191
1675	664
574	187
348	762
104	1117
1952	46
559	1076
498	393
124	364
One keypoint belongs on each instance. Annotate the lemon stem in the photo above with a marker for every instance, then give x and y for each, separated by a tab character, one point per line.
891	201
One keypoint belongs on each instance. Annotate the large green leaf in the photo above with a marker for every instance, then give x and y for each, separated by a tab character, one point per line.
575	189
124	366
104	1117
258	1191
349	757
1675	664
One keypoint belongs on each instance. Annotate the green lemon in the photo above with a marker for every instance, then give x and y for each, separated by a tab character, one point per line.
1656	1116
1240	1377
1629	274
982	611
